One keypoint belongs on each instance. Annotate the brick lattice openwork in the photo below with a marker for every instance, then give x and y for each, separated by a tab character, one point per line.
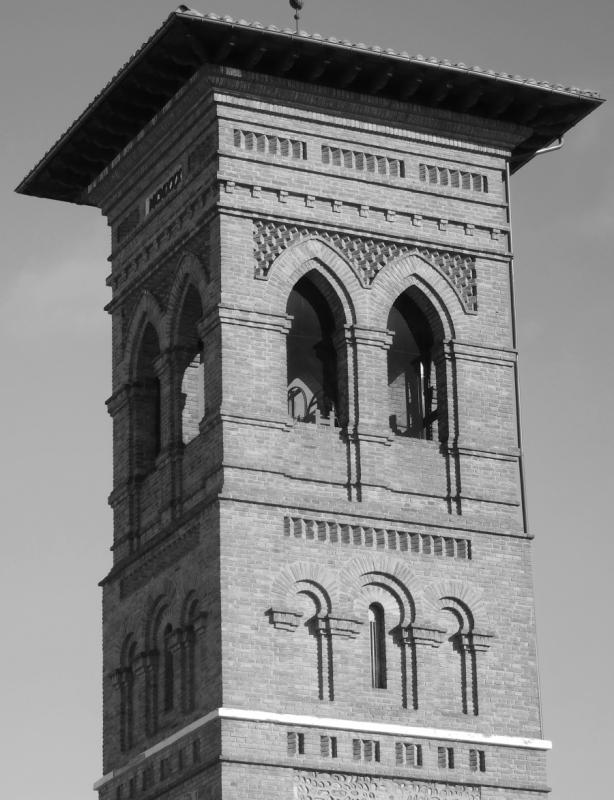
367	255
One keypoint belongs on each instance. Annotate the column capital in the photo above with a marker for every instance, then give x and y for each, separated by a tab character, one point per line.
284	619
369	337
426	634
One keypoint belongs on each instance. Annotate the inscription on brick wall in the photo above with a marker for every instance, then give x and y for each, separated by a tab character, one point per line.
325	786
321	786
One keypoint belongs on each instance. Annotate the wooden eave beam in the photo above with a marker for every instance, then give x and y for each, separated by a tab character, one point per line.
409	87
317	69
198	47
287	61
378	80
225	48
439	93
348	75
254	56
469	99
498	104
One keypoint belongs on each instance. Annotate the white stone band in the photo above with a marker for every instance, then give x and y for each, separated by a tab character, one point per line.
302	720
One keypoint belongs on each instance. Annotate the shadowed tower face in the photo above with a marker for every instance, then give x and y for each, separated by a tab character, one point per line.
321	583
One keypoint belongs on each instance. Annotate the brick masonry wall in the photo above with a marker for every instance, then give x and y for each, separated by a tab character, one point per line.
285	532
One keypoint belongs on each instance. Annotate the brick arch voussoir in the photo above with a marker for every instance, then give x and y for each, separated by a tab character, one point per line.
469	599
189	599
385	571
163	602
191	272
414	271
313	254
128	629
147	311
299	577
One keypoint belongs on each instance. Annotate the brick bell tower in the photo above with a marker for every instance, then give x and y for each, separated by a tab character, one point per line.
321	584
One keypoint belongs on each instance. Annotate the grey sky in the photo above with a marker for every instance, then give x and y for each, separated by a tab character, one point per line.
55	340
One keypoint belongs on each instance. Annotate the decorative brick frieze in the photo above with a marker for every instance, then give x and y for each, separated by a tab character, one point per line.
453	178
269	144
368	255
360	161
332	532
163	243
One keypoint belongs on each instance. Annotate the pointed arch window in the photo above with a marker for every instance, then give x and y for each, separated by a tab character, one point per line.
411	371
147	403
168	670
191	358
189	668
193	396
314	357
377	636
126	700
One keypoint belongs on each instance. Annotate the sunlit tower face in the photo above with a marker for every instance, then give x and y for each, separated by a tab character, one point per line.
321	577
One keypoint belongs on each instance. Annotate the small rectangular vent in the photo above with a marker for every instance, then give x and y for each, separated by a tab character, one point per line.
165	768
296	743
363	162
377	538
455	178
445	757
196	754
328	746
408	755
477	760
147	778
269	145
365	750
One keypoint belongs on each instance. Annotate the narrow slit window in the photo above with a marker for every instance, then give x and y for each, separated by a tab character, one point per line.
377	635
169	671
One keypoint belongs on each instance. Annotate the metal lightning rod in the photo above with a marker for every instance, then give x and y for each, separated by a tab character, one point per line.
297	6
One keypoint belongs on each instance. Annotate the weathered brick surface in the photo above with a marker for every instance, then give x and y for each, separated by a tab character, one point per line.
276	611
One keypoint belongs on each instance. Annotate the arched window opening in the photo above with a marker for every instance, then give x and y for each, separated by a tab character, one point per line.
377	634
168	668
191	364
461	658
313	390
189	687
193	396
147	410
411	372
126	688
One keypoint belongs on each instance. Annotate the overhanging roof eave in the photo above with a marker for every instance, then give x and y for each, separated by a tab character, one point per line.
99	134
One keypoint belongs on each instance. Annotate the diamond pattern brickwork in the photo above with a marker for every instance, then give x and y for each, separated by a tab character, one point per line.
367	255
